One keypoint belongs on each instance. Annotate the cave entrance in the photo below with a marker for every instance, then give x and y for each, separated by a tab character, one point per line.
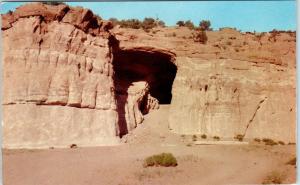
156	68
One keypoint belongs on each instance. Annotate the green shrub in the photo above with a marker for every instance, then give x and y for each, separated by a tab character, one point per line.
148	23
180	23
189	24
205	25
203	136
130	23
163	159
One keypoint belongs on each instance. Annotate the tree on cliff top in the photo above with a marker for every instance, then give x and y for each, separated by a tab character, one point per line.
205	25
180	23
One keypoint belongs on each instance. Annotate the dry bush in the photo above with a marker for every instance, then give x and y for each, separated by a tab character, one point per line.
203	136
239	137
163	159
269	142
73	146
216	138
189	24
205	25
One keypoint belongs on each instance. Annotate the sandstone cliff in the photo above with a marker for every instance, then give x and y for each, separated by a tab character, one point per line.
236	84
69	78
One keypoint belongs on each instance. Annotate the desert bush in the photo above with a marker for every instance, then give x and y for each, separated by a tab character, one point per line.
148	23
189	144
239	137
292	161
180	23
161	23
205	25
189	24
200	36
269	141
163	159
273	178
216	138
203	136
130	23
73	146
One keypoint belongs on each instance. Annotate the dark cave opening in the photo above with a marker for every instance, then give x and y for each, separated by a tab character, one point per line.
156	68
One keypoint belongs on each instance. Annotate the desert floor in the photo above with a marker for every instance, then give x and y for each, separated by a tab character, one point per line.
123	164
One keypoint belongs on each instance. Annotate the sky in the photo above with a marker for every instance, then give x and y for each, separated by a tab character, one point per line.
257	16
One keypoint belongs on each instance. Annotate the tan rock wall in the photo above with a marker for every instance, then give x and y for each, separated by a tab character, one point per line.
58	86
230	97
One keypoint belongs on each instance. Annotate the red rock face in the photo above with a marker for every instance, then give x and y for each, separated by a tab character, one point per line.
69	78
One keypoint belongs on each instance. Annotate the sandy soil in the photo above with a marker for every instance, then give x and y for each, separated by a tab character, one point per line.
122	165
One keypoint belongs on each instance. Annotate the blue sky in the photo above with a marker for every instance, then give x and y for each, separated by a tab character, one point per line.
246	16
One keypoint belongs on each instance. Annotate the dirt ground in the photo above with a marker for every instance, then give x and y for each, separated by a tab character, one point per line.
122	165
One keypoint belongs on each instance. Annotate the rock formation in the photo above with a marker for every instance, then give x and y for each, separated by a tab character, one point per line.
71	78
236	84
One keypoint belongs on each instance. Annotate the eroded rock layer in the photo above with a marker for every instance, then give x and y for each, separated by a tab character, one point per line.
57	77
